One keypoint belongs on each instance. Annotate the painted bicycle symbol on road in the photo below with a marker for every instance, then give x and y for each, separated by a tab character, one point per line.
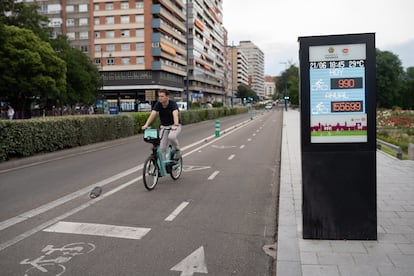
51	263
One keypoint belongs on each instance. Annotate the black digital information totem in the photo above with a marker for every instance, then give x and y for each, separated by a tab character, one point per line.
338	136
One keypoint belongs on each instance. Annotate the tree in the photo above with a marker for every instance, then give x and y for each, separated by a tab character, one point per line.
19	14
407	90
243	91
288	83
82	77
388	79
30	68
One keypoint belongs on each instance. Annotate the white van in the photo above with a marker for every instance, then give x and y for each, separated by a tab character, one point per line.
182	105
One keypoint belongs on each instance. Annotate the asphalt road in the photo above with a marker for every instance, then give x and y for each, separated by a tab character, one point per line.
214	220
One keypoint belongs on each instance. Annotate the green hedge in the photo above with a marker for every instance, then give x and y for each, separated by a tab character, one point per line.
22	138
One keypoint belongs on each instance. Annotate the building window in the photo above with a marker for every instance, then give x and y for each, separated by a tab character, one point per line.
83	7
124	19
139	46
85	48
110	47
139	4
110	61
55	22
54	8
125	60
97	48
96	20
125	47
71	36
70	8
139	33
124	5
83	35
125	33
83	22
70	22
109	34
140	60
96	7
139	18
97	35
97	61
109	20
109	6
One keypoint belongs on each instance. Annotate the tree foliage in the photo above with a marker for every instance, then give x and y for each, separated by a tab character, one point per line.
14	13
83	79
243	91
29	68
389	72
35	66
288	84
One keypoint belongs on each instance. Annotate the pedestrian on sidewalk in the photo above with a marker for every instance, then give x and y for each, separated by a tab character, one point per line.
10	112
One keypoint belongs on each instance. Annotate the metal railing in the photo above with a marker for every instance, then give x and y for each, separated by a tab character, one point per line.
396	148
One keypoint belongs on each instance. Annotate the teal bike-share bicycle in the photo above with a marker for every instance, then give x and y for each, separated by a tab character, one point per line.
156	165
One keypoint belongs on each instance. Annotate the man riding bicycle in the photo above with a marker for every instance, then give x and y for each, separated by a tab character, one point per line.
169	117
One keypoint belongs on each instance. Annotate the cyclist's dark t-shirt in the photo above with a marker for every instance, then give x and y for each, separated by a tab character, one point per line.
166	116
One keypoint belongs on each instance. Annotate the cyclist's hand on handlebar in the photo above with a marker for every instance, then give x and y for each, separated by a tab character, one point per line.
144	127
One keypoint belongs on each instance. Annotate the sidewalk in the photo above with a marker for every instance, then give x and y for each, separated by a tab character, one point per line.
391	254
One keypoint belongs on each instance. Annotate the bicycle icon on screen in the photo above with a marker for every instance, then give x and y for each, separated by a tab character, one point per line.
53	265
320	108
319	86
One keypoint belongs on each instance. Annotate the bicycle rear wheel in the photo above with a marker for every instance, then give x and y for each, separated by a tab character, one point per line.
150	173
176	169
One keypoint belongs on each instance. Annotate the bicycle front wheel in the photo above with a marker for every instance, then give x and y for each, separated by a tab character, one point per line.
150	173
176	169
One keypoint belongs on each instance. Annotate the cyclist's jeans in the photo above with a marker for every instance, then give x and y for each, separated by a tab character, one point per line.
170	136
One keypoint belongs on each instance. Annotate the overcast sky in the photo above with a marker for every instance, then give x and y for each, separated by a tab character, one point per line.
275	25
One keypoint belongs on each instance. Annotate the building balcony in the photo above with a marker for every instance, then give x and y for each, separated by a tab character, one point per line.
157	9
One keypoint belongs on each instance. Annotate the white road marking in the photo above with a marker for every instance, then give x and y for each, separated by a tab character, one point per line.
242	146
193	263
65	215
231	157
213	175
46	207
104	230
177	211
249	139
222	147
189	168
254	134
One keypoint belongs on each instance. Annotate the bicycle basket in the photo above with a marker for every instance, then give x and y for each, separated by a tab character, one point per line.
151	135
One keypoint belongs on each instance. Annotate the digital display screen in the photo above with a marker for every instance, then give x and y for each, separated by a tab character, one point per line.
346	83
346	106
337	93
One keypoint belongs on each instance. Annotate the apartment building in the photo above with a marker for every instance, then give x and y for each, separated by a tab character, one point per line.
255	58
269	87
207	61
138	45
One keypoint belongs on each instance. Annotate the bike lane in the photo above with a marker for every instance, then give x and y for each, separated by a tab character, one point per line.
214	225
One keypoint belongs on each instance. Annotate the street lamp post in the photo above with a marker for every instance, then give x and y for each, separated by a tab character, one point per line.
188	59
285	80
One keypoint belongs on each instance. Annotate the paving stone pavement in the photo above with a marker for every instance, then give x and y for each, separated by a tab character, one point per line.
393	252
